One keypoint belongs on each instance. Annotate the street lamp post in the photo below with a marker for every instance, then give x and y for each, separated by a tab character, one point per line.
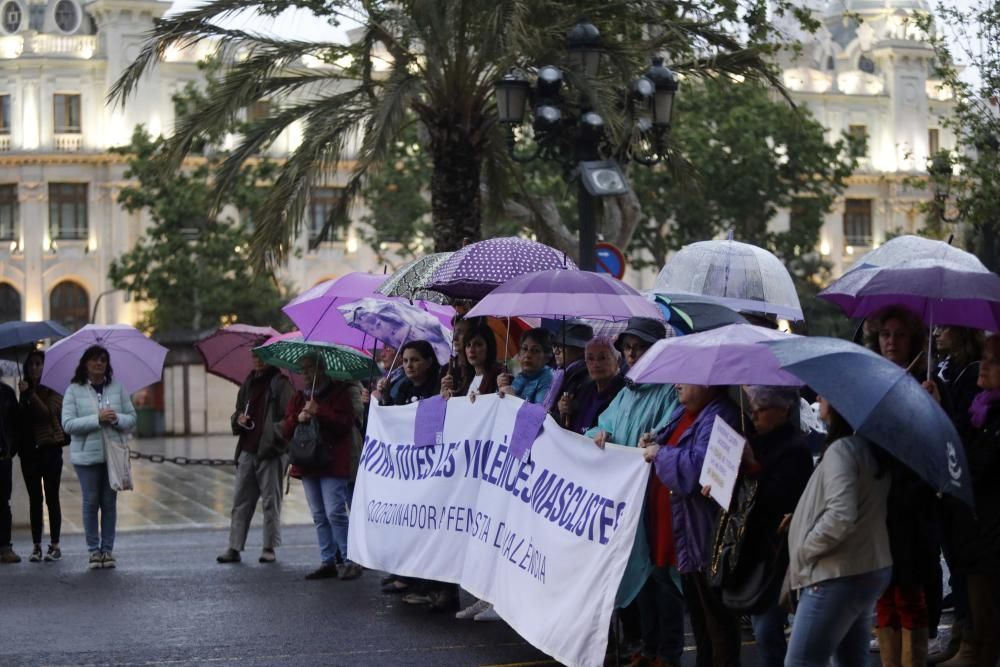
573	134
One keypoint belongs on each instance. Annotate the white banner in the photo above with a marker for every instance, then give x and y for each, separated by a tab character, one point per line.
545	539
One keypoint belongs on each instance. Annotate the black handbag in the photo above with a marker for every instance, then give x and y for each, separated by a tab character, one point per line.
306	450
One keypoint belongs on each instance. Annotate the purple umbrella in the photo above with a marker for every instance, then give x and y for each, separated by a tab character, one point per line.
227	351
396	323
732	354
478	268
315	312
939	291
136	359
566	293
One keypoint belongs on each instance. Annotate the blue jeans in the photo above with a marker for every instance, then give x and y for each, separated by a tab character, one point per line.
328	501
834	620
769	632
98	496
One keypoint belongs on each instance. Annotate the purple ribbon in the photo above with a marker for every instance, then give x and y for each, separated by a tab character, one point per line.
527	426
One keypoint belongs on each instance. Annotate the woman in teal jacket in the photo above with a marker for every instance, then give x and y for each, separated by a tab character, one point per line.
94	407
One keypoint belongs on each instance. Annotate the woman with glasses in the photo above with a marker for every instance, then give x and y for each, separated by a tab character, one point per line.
535	379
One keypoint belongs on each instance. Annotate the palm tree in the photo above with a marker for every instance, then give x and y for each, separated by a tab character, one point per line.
432	62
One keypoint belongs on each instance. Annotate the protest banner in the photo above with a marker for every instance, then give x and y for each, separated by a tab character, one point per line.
722	462
544	537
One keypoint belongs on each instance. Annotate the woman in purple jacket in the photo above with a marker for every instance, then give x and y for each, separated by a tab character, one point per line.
678	453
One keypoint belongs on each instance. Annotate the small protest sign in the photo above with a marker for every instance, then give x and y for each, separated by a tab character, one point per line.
722	462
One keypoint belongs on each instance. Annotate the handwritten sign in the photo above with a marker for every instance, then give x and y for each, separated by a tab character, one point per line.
722	462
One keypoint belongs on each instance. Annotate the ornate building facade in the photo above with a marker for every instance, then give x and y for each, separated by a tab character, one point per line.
868	72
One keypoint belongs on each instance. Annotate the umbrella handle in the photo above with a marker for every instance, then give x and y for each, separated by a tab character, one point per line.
506	342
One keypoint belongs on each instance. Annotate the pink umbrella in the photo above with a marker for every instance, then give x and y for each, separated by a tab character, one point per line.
137	360
227	351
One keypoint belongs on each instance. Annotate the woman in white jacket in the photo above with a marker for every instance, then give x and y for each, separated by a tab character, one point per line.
94	408
838	549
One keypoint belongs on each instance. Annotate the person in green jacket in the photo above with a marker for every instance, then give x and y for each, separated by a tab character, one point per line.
639	409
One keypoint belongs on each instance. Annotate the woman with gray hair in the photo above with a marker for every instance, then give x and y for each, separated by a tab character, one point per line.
781	462
604	380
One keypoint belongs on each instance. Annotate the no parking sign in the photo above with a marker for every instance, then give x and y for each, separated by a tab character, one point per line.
610	260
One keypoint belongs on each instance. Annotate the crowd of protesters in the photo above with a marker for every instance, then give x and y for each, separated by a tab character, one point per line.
844	537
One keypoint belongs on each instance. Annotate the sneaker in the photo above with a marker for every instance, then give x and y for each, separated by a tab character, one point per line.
325	571
416	598
228	556
349	571
54	553
108	561
473	609
96	561
873	646
489	614
36	554
266	556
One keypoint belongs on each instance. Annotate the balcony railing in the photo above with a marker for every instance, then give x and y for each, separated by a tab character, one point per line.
73	46
68	143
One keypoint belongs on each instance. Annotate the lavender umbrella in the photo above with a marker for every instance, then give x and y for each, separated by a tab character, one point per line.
478	268
939	291
136	359
227	351
728	355
395	323
315	312
566	293
910	247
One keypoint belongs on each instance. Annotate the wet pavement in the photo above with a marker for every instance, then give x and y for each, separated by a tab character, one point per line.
170	496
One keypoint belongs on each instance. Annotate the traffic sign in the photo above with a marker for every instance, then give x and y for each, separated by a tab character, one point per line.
610	260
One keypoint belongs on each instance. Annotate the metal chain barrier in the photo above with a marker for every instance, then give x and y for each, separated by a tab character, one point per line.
180	460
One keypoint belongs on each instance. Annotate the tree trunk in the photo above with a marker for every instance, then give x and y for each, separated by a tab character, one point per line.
456	200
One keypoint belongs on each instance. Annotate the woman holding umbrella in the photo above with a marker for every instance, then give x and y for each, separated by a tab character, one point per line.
839	558
421	376
328	403
480	369
604	380
41	454
533	382
898	335
95	407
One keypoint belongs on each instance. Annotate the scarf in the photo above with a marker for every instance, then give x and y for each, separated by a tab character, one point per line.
981	406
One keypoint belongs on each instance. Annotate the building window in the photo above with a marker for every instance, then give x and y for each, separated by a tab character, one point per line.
10	303
859	133
66	15
11	17
4	114
933	141
66	109
8	212
858	222
321	202
69	305
68	211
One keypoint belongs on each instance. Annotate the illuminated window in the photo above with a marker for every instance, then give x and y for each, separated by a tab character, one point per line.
66	110
69	305
858	222
68	211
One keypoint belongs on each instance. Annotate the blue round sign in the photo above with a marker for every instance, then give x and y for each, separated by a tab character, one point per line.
610	260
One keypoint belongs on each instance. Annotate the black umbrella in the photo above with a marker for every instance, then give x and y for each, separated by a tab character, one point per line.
14	334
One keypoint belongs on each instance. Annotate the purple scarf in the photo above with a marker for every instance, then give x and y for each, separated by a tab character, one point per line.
981	406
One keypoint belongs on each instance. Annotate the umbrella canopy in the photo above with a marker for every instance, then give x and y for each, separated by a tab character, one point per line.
341	362
883	403
315	312
939	291
396	323
696	313
411	279
13	334
739	275
478	268
910	247
136	359
227	351
732	354
566	293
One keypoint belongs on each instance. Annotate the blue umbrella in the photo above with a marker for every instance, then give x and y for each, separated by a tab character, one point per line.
13	334
883	403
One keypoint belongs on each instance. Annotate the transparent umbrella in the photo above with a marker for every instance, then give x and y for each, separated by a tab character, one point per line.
739	275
